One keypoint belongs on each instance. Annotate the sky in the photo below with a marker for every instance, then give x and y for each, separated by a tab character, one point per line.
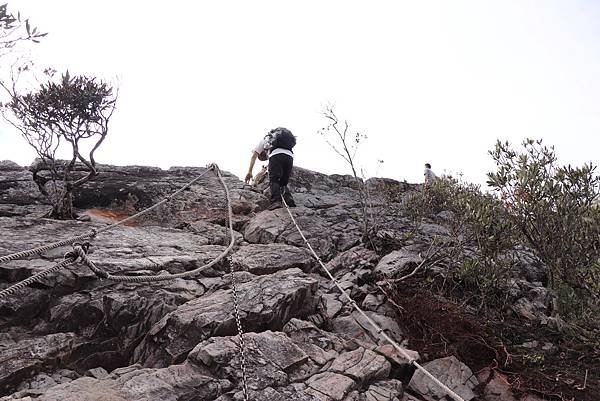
426	81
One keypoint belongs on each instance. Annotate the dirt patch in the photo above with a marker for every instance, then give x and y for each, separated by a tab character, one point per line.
553	366
109	216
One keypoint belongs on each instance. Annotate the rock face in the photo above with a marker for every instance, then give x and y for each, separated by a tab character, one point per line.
266	302
73	336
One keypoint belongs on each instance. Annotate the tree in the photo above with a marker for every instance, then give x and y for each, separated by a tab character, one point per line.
555	208
74	111
347	147
14	30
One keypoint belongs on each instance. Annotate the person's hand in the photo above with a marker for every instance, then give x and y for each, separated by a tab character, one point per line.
248	178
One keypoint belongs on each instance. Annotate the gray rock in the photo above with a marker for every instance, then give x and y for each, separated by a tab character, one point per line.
265	303
398	263
98	373
353	259
497	387
328	230
266	259
390	390
212	234
330	305
361	365
397	358
174	383
433	230
356	327
333	385
293	392
450	371
270	358
23	357
17	187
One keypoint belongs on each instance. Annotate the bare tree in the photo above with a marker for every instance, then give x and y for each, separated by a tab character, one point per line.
74	111
347	146
348	142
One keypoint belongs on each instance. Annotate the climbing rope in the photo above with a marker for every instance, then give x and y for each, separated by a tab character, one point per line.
377	328
70	258
94	232
236	309
82	253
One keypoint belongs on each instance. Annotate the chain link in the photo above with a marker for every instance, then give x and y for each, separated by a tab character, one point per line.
238	322
236	310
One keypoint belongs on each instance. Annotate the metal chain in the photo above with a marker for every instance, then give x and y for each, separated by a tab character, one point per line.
377	328
94	232
81	251
238	322
236	309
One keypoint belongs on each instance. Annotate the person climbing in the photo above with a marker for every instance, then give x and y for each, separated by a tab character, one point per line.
429	174
277	146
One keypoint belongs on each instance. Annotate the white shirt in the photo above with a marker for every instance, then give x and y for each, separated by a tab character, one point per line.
429	175
264	143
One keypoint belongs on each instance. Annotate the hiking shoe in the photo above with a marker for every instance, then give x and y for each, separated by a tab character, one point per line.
275	205
287	196
289	200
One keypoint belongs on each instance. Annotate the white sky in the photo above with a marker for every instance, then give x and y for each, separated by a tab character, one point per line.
437	81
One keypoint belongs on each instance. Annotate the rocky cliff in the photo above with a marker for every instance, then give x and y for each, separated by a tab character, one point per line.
74	336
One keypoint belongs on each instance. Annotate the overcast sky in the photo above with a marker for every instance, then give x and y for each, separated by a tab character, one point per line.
427	81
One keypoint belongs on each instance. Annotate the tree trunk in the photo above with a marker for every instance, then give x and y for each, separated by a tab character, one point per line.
63	208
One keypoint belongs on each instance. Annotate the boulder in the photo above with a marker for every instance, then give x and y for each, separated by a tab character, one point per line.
21	356
262	259
450	371
267	302
398	263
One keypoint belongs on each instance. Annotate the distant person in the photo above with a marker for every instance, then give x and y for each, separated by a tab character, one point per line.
430	176
277	146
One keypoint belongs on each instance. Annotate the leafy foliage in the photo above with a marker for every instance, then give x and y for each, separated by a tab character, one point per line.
13	29
555	208
71	110
481	232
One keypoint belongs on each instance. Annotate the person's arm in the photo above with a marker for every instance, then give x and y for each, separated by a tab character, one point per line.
252	161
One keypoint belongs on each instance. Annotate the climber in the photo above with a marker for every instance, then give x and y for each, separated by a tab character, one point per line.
277	146
429	174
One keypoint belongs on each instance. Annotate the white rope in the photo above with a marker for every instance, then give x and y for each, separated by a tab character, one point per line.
94	232
167	277
377	328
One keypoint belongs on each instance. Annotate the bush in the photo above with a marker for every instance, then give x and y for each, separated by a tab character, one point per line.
480	227
556	211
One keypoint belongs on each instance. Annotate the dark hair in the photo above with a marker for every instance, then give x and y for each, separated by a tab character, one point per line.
427	165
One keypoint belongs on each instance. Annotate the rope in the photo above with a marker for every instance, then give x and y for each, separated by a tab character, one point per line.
94	232
378	329
69	258
236	309
80	251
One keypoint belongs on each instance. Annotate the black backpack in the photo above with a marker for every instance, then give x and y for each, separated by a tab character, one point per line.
278	138
282	138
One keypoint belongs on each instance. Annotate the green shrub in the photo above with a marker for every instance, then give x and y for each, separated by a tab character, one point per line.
480	228
555	208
